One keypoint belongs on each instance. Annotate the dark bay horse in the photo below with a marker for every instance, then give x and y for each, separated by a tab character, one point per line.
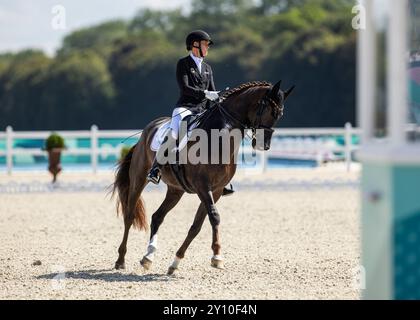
254	105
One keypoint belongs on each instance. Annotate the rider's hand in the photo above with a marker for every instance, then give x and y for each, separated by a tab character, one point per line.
212	95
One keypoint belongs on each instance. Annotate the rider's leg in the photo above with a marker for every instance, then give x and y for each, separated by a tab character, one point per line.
176	119
162	156
154	174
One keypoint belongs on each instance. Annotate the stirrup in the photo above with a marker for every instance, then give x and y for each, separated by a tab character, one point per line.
154	176
227	191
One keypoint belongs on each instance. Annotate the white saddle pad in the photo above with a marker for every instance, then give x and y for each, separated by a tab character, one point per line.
163	130
160	135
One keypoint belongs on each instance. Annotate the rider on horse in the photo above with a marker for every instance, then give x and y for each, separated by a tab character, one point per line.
196	84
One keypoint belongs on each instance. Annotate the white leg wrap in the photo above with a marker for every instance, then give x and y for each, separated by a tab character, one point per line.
151	248
218	257
176	262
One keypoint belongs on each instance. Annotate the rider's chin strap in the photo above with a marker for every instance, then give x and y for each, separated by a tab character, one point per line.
201	51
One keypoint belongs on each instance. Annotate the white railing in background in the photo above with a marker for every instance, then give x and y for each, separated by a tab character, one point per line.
290	149
311	148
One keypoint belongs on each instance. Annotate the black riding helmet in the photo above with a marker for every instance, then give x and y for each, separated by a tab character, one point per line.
197	35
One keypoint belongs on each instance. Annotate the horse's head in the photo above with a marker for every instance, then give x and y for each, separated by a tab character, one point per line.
268	110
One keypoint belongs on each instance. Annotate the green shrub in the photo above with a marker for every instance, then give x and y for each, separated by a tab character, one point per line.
54	141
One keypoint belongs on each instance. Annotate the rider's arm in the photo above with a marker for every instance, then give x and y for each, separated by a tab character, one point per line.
212	87
186	89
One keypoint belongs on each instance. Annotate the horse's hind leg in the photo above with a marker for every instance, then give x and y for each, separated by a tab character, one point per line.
134	198
209	201
192	233
122	250
131	200
172	198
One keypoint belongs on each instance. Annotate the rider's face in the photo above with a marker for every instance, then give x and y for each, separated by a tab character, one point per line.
204	48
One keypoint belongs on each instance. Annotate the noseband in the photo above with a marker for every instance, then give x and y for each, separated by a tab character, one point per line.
276	111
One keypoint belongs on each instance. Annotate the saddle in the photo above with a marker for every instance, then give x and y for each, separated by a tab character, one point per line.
193	121
161	134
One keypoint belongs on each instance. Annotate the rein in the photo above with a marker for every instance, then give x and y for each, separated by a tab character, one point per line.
264	103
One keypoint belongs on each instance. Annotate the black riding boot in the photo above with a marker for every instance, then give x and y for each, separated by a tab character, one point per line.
154	174
228	191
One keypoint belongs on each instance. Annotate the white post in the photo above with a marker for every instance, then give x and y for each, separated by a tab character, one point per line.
348	145
319	158
366	73
94	147
397	71
264	160
9	149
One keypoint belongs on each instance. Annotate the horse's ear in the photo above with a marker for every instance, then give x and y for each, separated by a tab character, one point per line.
288	92
276	89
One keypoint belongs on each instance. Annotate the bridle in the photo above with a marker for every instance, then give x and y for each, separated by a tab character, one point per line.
276	112
265	102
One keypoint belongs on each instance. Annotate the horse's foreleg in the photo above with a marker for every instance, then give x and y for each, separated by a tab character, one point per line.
172	198
193	232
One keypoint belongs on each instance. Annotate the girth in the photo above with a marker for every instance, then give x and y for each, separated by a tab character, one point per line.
179	169
179	172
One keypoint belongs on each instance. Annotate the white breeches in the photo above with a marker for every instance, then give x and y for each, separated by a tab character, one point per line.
177	116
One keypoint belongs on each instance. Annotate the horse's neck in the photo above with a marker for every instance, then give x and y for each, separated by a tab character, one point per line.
238	110
241	105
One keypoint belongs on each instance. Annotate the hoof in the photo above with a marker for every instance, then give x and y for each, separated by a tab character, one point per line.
171	271
146	263
218	264
119	265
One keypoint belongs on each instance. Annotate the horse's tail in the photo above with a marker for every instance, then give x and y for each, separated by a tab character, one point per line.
122	185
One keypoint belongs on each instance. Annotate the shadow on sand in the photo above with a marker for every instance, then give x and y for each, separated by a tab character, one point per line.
108	275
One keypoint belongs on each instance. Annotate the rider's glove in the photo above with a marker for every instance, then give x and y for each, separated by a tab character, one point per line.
212	95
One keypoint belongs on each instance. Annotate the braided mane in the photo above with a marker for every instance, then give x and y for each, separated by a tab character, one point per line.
245	86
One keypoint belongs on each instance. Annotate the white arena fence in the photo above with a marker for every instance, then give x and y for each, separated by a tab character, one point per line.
103	186
313	144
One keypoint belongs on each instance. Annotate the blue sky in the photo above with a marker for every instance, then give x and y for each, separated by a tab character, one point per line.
27	23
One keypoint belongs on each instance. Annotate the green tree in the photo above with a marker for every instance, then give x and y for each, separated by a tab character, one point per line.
20	85
143	70
79	92
121	74
100	38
